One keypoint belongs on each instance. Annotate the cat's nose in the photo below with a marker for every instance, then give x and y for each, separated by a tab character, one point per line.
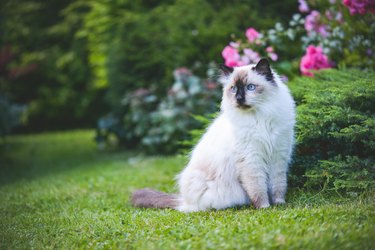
240	99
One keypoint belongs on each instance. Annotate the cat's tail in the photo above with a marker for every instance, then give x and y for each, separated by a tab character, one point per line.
149	198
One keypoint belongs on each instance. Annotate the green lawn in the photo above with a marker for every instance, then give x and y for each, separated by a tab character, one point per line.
58	191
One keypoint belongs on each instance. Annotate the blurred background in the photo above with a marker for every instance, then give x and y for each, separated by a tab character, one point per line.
138	71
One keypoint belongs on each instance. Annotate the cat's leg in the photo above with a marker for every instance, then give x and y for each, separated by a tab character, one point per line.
193	185
278	182
254	181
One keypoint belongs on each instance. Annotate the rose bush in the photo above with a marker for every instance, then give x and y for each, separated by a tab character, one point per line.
314	59
327	34
159	124
360	6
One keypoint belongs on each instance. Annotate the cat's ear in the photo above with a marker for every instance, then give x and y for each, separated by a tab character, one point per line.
225	70
263	68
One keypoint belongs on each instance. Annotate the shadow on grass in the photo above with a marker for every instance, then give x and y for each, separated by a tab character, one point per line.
29	157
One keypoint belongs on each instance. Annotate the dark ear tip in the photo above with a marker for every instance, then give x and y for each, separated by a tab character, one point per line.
263	65
263	68
264	60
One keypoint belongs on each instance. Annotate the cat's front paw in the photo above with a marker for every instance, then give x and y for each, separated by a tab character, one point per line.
261	204
279	201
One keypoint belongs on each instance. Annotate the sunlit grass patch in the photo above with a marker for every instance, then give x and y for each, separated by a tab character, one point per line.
63	193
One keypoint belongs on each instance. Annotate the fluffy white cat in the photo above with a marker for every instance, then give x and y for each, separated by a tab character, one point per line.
243	157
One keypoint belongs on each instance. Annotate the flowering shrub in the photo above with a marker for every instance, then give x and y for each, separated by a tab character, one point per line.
360	6
314	59
157	125
332	33
172	120
233	58
252	35
314	23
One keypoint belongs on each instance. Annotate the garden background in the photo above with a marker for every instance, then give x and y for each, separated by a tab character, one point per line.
99	98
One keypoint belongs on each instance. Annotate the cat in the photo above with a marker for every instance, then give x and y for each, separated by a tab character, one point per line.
243	156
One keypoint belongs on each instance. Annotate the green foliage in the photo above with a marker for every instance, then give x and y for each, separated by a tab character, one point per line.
57	191
157	125
196	134
84	50
335	130
10	115
57	91
149	43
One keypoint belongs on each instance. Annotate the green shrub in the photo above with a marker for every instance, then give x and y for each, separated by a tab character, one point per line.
145	43
157	125
195	134
335	130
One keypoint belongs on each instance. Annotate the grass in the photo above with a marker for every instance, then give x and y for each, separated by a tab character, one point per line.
58	191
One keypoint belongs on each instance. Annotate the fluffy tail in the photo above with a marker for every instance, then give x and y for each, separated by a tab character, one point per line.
149	198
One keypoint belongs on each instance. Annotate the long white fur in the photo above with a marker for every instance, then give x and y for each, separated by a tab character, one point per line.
244	154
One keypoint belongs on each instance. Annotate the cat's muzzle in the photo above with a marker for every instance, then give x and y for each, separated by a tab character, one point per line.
243	106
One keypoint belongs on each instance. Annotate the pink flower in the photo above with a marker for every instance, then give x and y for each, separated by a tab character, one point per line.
252	34
303	7
313	23
269	49
181	74
231	56
252	56
314	59
360	6
271	54
245	60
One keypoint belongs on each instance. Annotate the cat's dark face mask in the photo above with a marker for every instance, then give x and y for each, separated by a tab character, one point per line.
239	91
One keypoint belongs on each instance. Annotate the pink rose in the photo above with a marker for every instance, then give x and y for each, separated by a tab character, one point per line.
252	34
360	6
229	52
314	59
231	56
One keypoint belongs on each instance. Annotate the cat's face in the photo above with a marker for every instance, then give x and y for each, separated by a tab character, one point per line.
248	87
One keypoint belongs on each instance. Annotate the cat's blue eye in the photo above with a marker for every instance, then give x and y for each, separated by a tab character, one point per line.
251	87
233	89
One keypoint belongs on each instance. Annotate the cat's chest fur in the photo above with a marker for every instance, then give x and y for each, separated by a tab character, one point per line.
255	136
